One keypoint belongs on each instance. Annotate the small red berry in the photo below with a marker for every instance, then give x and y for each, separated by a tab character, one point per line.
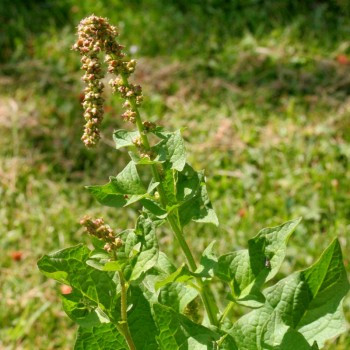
66	289
343	59
17	255
242	212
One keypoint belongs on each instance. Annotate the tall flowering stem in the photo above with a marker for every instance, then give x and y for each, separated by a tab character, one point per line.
95	35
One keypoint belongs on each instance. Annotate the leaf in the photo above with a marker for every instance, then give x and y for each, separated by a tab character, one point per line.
248	270
159	271
193	198
177	296
142	326
208	262
169	179
154	208
173	147
148	256
113	266
69	266
177	332
79	309
308	303
145	160
104	336
124	138
122	190
182	274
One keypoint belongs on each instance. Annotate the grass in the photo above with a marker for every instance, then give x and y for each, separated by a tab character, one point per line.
265	106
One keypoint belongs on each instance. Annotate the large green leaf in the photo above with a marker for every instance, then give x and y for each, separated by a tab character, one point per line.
69	266
306	305
124	189
177	332
102	337
247	270
142	326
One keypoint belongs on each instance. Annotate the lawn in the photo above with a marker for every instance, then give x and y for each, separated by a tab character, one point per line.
261	88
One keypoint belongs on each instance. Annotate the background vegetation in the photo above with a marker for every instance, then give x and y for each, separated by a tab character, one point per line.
261	87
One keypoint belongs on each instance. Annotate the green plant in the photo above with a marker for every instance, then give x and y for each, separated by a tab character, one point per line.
126	293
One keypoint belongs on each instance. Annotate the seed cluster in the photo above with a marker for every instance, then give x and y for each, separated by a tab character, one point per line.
132	94
96	35
98	228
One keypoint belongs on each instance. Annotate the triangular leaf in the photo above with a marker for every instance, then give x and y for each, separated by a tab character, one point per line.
308	302
173	147
69	266
248	270
122	190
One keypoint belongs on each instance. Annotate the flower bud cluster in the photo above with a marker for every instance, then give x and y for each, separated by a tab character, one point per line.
95	35
129	92
149	126
98	228
93	100
144	153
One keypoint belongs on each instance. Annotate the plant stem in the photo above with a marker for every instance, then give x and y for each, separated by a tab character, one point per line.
123	326
206	294
227	310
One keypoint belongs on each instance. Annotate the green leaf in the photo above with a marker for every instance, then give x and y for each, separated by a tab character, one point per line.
113	266
142	326
173	147
145	229
154	208
169	179
193	198
177	296
80	310
158	272
182	274
122	190
104	336
69	266
248	270
208	262
124	138
307	302
177	332
146	160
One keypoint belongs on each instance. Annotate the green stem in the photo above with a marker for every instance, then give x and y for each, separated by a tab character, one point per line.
226	312
123	326
206	294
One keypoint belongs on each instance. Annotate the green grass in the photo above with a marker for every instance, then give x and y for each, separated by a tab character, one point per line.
265	104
